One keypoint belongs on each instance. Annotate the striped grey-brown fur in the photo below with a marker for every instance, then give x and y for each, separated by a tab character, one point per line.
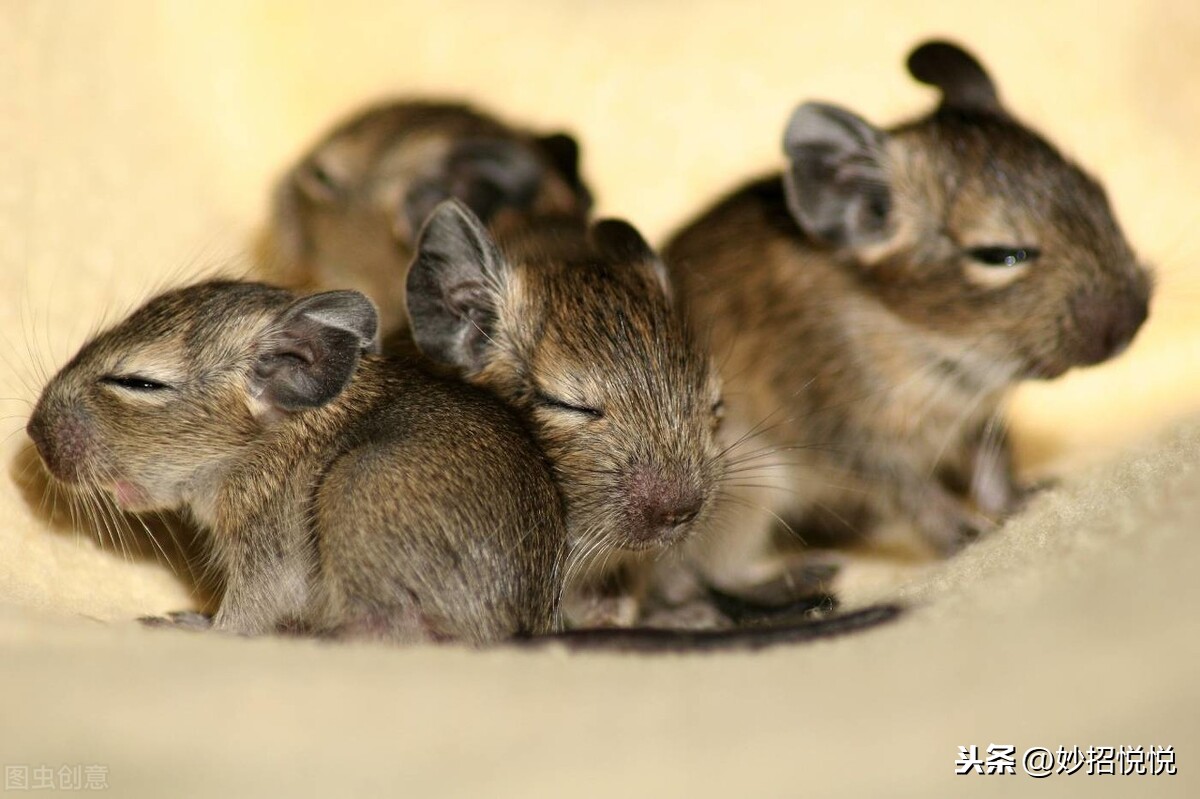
577	328
344	493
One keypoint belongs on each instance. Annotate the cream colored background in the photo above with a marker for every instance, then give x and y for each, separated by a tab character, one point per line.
137	145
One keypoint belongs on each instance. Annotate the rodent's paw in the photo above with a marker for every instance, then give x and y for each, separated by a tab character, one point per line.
801	584
698	614
1016	498
1027	491
749	610
800	576
601	610
949	525
180	620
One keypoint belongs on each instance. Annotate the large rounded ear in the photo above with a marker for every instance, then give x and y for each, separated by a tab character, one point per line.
836	184
485	175
620	243
453	288
963	81
309	355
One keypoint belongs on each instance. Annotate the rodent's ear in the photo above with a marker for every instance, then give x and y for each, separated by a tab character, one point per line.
309	355
962	79
453	288
836	184
621	243
563	151
486	175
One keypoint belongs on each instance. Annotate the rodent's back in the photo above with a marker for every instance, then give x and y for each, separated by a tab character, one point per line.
482	519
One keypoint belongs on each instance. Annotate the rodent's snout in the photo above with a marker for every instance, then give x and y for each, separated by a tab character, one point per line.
660	507
1107	323
61	441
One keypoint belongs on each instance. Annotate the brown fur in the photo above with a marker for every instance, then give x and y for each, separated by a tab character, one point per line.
869	373
339	218
403	507
561	314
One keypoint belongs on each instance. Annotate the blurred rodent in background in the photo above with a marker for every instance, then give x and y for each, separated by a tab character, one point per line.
347	214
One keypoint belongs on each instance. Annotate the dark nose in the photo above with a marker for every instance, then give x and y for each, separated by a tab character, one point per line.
661	505
1107	323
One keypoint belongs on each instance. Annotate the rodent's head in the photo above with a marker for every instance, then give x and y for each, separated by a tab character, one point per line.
152	406
347	215
581	333
968	224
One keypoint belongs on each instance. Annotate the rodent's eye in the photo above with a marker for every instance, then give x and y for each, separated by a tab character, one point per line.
134	383
560	405
1003	256
318	183
323	177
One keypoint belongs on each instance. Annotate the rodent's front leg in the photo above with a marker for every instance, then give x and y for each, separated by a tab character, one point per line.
993	483
994	486
267	580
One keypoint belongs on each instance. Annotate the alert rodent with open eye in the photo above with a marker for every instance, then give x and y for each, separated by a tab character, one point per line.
344	494
347	214
879	299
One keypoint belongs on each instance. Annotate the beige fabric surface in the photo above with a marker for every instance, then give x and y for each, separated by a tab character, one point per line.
137	145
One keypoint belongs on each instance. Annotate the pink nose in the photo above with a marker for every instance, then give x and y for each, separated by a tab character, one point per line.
659	506
61	443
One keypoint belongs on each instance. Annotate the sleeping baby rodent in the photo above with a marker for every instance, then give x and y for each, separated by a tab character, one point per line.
345	494
578	329
880	298
347	214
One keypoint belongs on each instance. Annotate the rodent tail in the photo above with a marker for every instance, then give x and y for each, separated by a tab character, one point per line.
750	638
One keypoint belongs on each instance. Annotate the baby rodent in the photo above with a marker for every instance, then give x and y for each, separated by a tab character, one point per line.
578	329
879	299
345	494
346	215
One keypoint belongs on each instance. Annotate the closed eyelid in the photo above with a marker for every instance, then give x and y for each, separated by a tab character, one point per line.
159	368
135	382
568	403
